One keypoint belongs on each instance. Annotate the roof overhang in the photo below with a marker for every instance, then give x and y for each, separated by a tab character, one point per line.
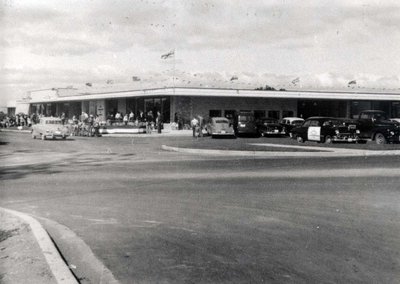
206	92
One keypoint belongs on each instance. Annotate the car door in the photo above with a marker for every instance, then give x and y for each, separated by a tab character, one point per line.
314	131
302	130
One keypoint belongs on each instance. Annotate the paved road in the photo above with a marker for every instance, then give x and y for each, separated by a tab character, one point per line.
159	217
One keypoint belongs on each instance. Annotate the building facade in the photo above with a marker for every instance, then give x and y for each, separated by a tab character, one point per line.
184	103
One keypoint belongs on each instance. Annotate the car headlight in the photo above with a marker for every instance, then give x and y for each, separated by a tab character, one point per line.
391	133
358	131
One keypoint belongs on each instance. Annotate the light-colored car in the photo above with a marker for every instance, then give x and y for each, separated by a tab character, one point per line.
220	126
49	128
397	120
291	122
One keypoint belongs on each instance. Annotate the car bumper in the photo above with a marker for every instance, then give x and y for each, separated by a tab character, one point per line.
273	132
55	135
222	134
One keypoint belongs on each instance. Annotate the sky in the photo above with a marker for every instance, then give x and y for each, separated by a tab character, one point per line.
283	44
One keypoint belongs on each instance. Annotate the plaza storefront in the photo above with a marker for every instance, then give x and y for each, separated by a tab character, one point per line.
184	103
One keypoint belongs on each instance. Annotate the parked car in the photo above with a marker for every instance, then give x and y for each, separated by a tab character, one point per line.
268	126
396	120
375	125
49	127
245	124
220	126
291	122
327	130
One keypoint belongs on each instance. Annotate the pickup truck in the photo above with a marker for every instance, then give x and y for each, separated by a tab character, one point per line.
374	125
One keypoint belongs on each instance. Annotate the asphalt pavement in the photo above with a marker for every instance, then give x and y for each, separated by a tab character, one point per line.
152	216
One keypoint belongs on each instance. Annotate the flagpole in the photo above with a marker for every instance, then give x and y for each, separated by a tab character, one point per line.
173	75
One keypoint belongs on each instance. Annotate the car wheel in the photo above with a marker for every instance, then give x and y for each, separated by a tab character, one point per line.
300	139
33	136
380	139
64	137
328	139
43	137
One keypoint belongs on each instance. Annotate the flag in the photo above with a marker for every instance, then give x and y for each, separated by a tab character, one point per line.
89	84
135	78
295	81
351	83
168	55
234	78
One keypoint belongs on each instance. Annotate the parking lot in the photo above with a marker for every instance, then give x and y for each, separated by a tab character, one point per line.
153	216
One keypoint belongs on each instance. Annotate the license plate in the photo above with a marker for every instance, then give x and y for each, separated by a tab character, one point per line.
276	130
223	131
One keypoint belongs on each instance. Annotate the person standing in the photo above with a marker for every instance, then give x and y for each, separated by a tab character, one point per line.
131	116
195	124
126	119
63	118
159	122
149	122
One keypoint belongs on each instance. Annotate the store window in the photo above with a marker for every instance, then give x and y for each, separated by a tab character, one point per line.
215	113
274	114
229	113
259	114
287	113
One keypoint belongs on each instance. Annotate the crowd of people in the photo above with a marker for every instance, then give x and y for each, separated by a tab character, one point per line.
18	120
141	120
89	124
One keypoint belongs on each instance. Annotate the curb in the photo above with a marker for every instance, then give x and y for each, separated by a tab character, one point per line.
15	130
267	154
79	255
58	267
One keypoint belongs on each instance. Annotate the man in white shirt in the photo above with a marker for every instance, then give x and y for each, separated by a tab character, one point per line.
195	124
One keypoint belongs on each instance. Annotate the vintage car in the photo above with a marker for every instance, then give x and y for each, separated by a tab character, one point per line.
395	120
245	124
268	126
49	127
327	130
220	126
291	122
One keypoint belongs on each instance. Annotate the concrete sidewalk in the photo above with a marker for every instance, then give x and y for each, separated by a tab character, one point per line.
169	133
27	254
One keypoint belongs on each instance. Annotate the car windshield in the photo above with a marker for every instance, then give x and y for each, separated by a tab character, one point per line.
53	122
297	122
221	121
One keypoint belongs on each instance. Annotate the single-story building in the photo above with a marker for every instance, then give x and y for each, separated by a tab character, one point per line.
184	103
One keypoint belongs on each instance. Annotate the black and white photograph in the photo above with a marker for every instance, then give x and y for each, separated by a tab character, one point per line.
199	141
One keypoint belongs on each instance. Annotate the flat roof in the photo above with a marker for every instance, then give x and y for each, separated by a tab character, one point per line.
217	92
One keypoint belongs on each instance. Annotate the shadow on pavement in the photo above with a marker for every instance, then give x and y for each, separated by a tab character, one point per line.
16	172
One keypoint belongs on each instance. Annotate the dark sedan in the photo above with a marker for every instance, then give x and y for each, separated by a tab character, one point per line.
327	130
270	127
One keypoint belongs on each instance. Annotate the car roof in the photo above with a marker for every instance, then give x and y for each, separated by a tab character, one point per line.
219	117
371	110
324	118
291	118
